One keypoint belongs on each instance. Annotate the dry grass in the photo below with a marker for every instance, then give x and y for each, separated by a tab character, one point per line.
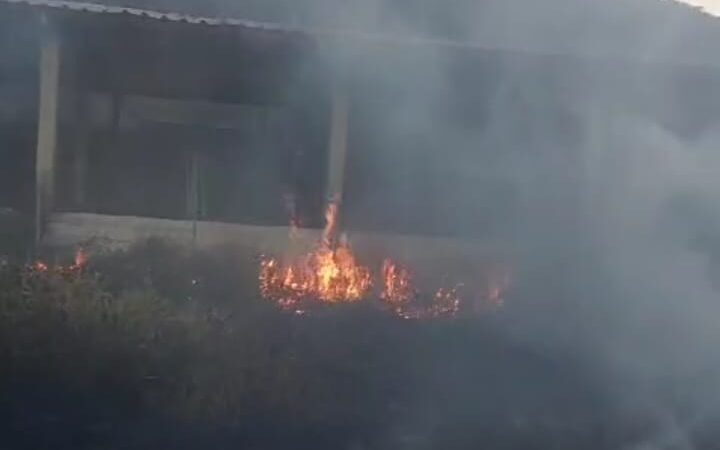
173	344
135	327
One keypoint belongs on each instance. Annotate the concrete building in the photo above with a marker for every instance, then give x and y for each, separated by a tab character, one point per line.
215	130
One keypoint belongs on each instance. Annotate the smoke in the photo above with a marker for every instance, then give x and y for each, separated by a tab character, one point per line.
584	139
711	6
611	158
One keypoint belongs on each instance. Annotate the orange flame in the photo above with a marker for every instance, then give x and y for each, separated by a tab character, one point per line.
79	262
397	289
328	274
407	302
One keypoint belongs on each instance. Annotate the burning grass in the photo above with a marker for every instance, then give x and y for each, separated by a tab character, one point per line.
185	355
401	295
330	274
120	331
181	332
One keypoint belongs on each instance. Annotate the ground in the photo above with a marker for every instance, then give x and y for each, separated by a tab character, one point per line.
158	348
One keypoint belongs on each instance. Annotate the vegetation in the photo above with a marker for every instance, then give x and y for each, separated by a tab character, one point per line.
155	347
174	337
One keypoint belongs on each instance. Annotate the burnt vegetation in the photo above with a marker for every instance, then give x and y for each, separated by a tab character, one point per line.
157	347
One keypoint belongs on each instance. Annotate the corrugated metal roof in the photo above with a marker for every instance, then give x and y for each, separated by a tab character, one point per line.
695	43
232	22
243	23
157	15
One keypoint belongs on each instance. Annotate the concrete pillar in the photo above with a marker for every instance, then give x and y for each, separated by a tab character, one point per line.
47	133
337	152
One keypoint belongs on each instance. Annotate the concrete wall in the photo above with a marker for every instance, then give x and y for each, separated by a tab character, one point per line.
67	229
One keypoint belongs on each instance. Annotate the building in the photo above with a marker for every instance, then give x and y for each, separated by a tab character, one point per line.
217	130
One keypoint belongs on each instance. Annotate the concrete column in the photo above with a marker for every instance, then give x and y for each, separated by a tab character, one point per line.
337	152
47	133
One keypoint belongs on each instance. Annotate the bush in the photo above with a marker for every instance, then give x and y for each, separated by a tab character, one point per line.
67	326
175	350
134	328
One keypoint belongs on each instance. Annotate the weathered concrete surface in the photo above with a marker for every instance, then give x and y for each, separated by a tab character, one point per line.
68	229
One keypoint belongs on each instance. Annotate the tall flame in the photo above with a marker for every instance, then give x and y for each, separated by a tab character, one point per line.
328	274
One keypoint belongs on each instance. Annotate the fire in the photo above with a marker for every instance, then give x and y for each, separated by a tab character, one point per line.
397	288
408	302
328	274
80	260
39	266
